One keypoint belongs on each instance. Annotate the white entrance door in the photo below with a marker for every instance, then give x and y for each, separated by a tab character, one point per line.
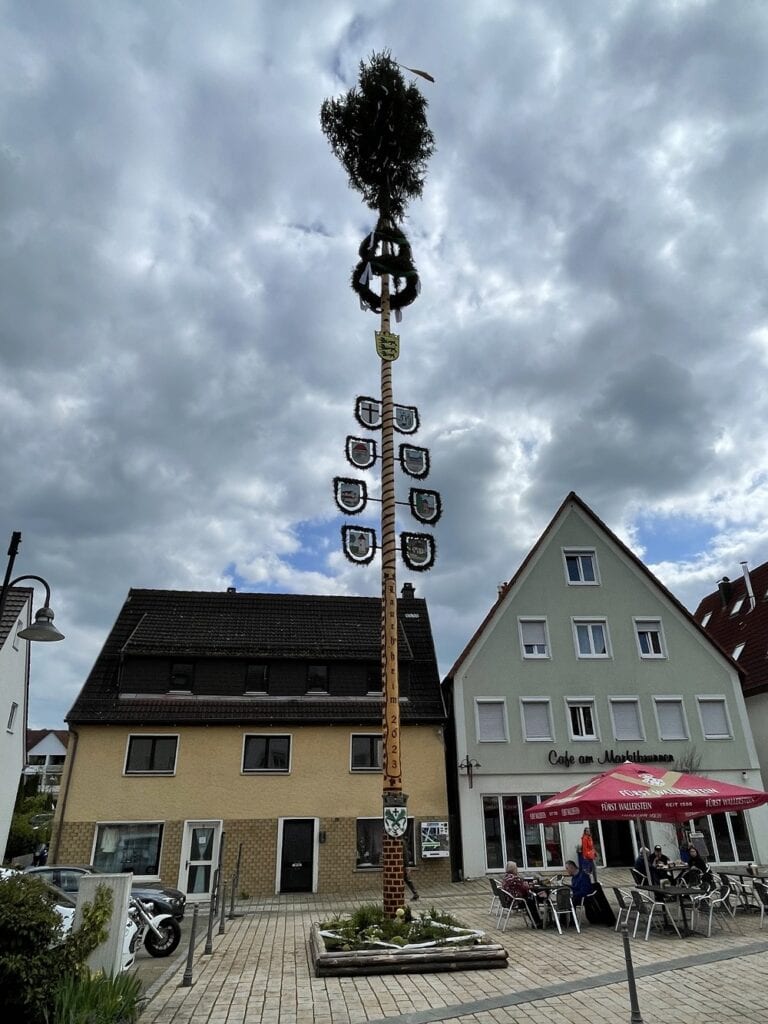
199	858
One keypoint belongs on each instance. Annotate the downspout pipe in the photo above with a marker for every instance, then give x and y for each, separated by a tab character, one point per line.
61	803
748	585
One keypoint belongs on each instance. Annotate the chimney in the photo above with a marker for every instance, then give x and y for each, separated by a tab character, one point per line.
748	584
231	590
408	592
724	586
500	588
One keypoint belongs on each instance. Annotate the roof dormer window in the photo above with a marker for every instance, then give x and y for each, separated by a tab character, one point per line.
737	606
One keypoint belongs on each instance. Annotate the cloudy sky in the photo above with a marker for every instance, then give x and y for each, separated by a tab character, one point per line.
180	349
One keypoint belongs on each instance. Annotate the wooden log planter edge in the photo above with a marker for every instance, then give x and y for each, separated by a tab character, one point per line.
404	961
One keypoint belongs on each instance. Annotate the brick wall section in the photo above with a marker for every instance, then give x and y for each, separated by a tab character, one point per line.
337	872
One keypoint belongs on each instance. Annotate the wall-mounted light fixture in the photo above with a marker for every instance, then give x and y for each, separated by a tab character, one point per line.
468	765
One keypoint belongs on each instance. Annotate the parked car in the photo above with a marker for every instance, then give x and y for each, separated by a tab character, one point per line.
67	877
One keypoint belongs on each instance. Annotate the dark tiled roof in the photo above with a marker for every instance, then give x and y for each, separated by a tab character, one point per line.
35	736
746	626
16	599
203	624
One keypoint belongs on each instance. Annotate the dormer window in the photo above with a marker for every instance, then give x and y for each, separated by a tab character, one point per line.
257	677
317	679
182	674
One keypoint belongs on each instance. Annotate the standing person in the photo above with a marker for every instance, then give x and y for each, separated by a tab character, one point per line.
587	852
518	888
406	876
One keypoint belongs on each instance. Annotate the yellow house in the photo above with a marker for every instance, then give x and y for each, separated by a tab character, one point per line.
249	726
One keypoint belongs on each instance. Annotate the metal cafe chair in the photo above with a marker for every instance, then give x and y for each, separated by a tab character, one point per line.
495	902
715	905
646	908
513	905
559	902
624	903
761	891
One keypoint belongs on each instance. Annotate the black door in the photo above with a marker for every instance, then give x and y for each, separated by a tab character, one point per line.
618	844
296	858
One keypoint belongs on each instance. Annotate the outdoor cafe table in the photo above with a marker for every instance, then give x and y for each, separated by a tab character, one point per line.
679	892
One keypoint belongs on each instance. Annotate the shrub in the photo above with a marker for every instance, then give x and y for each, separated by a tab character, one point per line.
95	999
34	953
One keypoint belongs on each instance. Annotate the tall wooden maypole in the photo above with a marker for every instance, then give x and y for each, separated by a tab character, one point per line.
379	132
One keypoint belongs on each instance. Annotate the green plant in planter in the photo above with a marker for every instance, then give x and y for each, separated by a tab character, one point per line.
367	926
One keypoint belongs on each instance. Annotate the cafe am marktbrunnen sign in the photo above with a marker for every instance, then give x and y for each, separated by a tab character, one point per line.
567	760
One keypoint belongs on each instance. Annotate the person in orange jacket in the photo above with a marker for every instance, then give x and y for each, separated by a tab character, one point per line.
587	853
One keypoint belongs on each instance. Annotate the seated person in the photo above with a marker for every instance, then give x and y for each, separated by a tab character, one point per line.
581	883
698	873
659	866
518	888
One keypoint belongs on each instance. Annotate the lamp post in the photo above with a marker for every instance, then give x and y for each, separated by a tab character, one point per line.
42	628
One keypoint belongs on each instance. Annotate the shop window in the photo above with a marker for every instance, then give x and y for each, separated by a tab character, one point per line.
370	833
128	847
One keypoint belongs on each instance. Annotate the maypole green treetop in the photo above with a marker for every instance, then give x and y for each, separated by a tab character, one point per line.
379	132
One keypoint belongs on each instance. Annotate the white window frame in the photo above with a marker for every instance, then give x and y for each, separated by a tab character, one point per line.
738	604
579	552
655	622
612	702
367	735
167	773
713	698
537	739
12	716
16	637
491	700
542	619
574	702
668	698
738	649
705	620
591	620
267	771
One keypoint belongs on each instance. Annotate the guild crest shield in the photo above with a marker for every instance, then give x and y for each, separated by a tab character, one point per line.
395	821
418	550
425	505
359	544
414	461
368	412
361	452
351	495
406	419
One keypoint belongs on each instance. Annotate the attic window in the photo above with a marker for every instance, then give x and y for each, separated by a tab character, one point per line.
737	650
737	606
411	615
706	619
257	677
182	674
317	679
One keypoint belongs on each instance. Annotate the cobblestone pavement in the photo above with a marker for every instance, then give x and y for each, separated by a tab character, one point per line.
259	971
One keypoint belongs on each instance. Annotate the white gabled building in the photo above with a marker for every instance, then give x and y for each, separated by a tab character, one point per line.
14	683
584	660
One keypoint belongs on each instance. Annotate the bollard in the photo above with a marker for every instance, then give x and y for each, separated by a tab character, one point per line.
635	1016
209	937
223	907
232	913
186	981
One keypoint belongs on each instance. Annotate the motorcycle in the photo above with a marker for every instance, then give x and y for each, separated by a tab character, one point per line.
160	933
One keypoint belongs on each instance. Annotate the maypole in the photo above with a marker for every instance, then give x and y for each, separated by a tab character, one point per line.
379	133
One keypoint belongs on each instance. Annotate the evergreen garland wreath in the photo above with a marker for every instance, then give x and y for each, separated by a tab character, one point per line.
398	264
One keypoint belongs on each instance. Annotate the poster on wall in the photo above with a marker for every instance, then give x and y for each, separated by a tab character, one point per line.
434	839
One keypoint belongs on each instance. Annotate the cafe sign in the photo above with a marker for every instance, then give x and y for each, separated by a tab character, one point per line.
567	760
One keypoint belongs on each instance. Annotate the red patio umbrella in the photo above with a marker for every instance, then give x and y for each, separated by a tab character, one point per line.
632	790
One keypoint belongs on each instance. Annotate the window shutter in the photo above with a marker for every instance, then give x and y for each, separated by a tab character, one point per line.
671	720
714	717
534	633
536	719
491	726
626	720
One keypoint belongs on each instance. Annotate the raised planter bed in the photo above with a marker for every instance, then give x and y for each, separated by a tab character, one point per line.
414	959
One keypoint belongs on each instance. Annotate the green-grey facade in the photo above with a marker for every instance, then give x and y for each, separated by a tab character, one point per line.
586	660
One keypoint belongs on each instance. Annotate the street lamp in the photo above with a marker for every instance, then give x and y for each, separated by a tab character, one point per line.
42	628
